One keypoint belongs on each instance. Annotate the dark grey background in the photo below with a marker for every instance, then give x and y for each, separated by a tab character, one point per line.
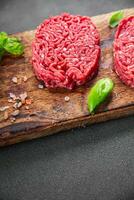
92	163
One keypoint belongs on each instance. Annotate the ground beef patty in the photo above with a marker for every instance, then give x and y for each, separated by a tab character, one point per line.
66	51
124	51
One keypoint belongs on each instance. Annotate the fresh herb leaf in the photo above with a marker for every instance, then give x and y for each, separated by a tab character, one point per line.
116	18
99	92
13	46
3	34
3	38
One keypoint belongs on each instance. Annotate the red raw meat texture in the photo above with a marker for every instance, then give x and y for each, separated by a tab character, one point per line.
124	51
66	51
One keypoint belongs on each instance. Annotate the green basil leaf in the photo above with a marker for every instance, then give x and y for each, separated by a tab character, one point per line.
116	18
14	46
99	92
3	38
3	34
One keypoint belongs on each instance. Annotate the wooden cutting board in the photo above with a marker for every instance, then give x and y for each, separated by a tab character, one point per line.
50	113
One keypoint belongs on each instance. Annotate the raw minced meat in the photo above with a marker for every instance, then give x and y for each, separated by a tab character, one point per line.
66	51
124	51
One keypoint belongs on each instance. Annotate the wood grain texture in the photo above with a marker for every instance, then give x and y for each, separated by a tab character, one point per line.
49	113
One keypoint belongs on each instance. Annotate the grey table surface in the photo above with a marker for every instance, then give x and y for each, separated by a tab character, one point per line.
91	163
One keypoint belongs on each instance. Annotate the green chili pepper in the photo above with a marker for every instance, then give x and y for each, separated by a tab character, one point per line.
99	92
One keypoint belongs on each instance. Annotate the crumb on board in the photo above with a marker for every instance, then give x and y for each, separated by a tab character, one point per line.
12	96
12	119
40	86
27	107
23	97
15	113
14	79
67	98
10	100
17	105
29	101
17	102
25	78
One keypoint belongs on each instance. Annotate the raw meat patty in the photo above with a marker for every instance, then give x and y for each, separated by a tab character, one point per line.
124	51
66	51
